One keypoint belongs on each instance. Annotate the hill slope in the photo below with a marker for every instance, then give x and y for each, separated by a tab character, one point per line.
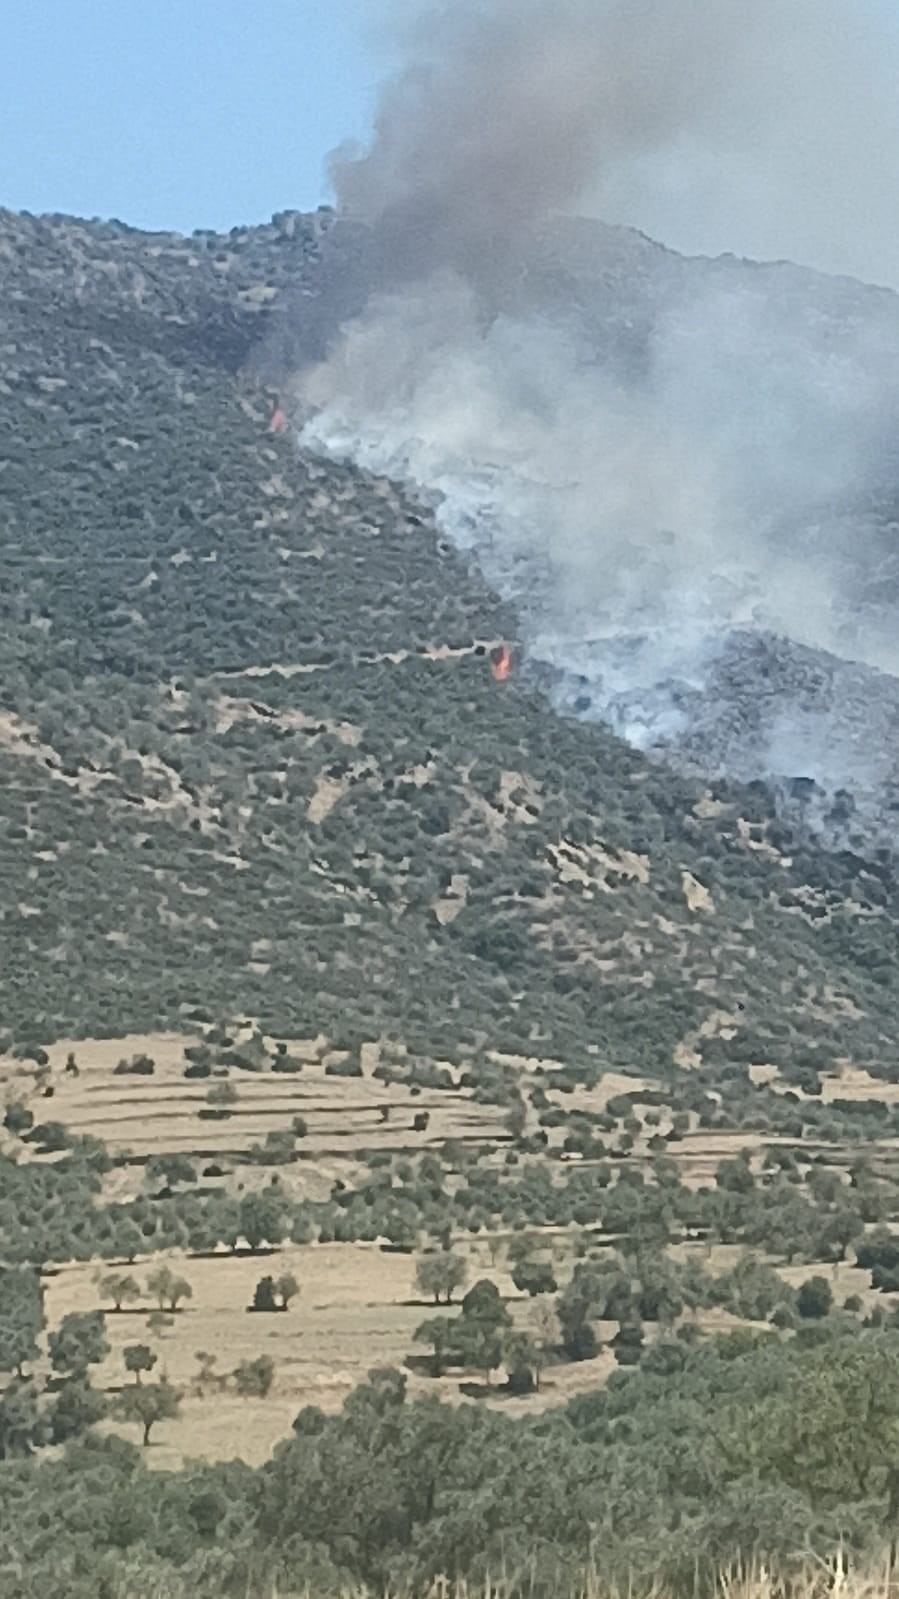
254	760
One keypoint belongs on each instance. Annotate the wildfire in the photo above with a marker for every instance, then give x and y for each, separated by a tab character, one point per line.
501	663
278	423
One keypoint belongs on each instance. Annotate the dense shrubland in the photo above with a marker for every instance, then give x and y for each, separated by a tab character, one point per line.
704	1454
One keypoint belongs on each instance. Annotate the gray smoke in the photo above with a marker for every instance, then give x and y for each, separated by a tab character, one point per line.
504	113
769	128
649	457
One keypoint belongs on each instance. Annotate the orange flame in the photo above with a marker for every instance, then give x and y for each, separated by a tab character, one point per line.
501	664
278	423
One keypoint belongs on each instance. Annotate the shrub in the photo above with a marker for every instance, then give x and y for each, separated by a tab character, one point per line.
138	1066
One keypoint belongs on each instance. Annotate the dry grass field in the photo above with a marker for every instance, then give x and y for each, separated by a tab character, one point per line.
357	1308
141	1116
152	1115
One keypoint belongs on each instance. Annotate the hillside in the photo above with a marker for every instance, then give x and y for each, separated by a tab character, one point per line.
338	978
254	686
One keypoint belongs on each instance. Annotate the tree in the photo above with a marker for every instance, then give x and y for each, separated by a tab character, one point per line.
159	1322
478	1333
521	1359
119	1288
735	1176
253	1378
522	1247
129	1241
21	1317
839	1231
287	1288
22	1427
576	1308
534	1277
18	1119
516	1119
169	1170
148	1403
76	1408
207	1372
264	1296
440	1275
167	1289
138	1358
545	1324
221	1097
262	1219
483	1302
438	1332
478	1344
815	1298
78	1342
659	1297
628	1343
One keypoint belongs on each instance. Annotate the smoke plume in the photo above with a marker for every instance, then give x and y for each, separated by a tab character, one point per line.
648	453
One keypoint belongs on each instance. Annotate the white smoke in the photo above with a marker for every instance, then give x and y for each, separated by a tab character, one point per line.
640	518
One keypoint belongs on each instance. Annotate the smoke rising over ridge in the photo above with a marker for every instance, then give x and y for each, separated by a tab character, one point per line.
649	453
773	127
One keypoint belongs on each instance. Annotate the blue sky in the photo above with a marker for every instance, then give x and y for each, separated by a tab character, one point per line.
180	113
